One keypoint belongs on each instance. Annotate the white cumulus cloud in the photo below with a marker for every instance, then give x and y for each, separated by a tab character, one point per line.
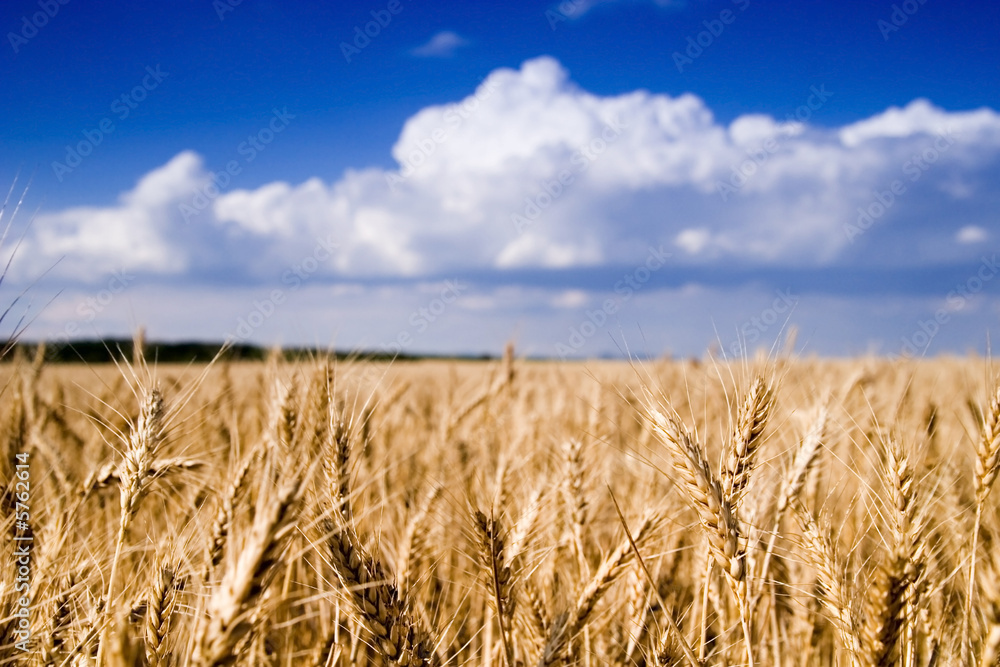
531	171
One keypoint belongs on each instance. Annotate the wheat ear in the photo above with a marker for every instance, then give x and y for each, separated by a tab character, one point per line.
569	624
576	499
231	605
705	493
159	610
832	576
501	582
62	616
222	523
991	646
133	476
987	467
745	442
897	592
805	458
414	538
377	601
675	632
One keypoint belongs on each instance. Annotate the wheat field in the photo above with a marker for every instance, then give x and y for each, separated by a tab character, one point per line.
756	512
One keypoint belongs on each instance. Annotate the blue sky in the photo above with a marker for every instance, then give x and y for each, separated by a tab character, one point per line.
582	177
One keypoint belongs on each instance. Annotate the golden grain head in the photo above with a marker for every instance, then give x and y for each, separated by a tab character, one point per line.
508	514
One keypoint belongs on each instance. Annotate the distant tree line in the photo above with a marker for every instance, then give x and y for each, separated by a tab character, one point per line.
106	350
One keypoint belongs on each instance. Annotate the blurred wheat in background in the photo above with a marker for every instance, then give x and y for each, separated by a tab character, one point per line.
767	512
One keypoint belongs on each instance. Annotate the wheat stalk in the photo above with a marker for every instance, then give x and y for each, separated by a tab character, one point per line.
898	592
414	538
573	494
570	623
987	466
501	581
134	476
705	493
232	604
804	460
833	578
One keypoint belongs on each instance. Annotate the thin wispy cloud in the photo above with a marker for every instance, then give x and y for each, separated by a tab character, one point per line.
444	44
575	9
972	234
